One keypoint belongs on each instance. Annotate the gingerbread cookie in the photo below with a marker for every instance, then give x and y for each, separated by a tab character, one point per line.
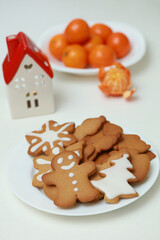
71	180
150	154
139	161
42	141
102	158
50	191
43	163
115	183
132	141
100	143
112	129
89	127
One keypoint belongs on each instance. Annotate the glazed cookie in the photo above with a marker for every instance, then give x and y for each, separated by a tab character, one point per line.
139	161
42	141
43	163
89	127
131	141
71	180
114	185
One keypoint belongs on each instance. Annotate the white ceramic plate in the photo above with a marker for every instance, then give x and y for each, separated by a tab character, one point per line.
135	36
20	172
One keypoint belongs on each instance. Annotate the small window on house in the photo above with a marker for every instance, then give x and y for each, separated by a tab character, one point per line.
36	103
28	104
41	76
34	93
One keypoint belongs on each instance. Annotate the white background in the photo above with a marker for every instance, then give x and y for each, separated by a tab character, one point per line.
76	99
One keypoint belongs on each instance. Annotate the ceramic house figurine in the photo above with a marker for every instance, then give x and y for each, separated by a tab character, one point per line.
28	76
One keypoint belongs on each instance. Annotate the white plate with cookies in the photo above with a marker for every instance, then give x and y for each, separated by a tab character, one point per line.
20	172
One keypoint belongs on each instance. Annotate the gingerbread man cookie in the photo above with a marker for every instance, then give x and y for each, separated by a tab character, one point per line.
71	180
43	163
42	141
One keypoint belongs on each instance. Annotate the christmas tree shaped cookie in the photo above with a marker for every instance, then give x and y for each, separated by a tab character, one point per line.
115	183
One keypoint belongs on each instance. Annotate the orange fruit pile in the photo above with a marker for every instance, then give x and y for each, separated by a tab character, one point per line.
81	45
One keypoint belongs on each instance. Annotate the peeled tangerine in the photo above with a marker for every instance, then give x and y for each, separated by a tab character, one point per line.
116	81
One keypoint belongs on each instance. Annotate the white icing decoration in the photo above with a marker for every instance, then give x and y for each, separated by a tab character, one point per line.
77	152
34	140
44	148
60	160
49	136
70	157
76	189
115	183
71	174
55	150
71	165
36	77
55	125
60	144
39	177
42	161
65	132
74	182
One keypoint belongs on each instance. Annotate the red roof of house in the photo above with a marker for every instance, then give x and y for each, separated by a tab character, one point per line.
18	46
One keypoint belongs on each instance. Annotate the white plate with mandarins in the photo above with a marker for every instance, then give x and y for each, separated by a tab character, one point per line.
73	50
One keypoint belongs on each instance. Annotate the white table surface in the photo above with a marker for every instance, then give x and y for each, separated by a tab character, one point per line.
76	99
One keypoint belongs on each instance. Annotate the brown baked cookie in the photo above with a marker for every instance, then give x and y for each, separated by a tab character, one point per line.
112	129
77	148
50	191
89	127
42	141
150	154
102	158
71	180
43	163
88	151
131	141
100	143
114	184
139	161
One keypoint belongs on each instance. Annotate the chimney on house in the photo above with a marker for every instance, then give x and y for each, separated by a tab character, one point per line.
12	43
